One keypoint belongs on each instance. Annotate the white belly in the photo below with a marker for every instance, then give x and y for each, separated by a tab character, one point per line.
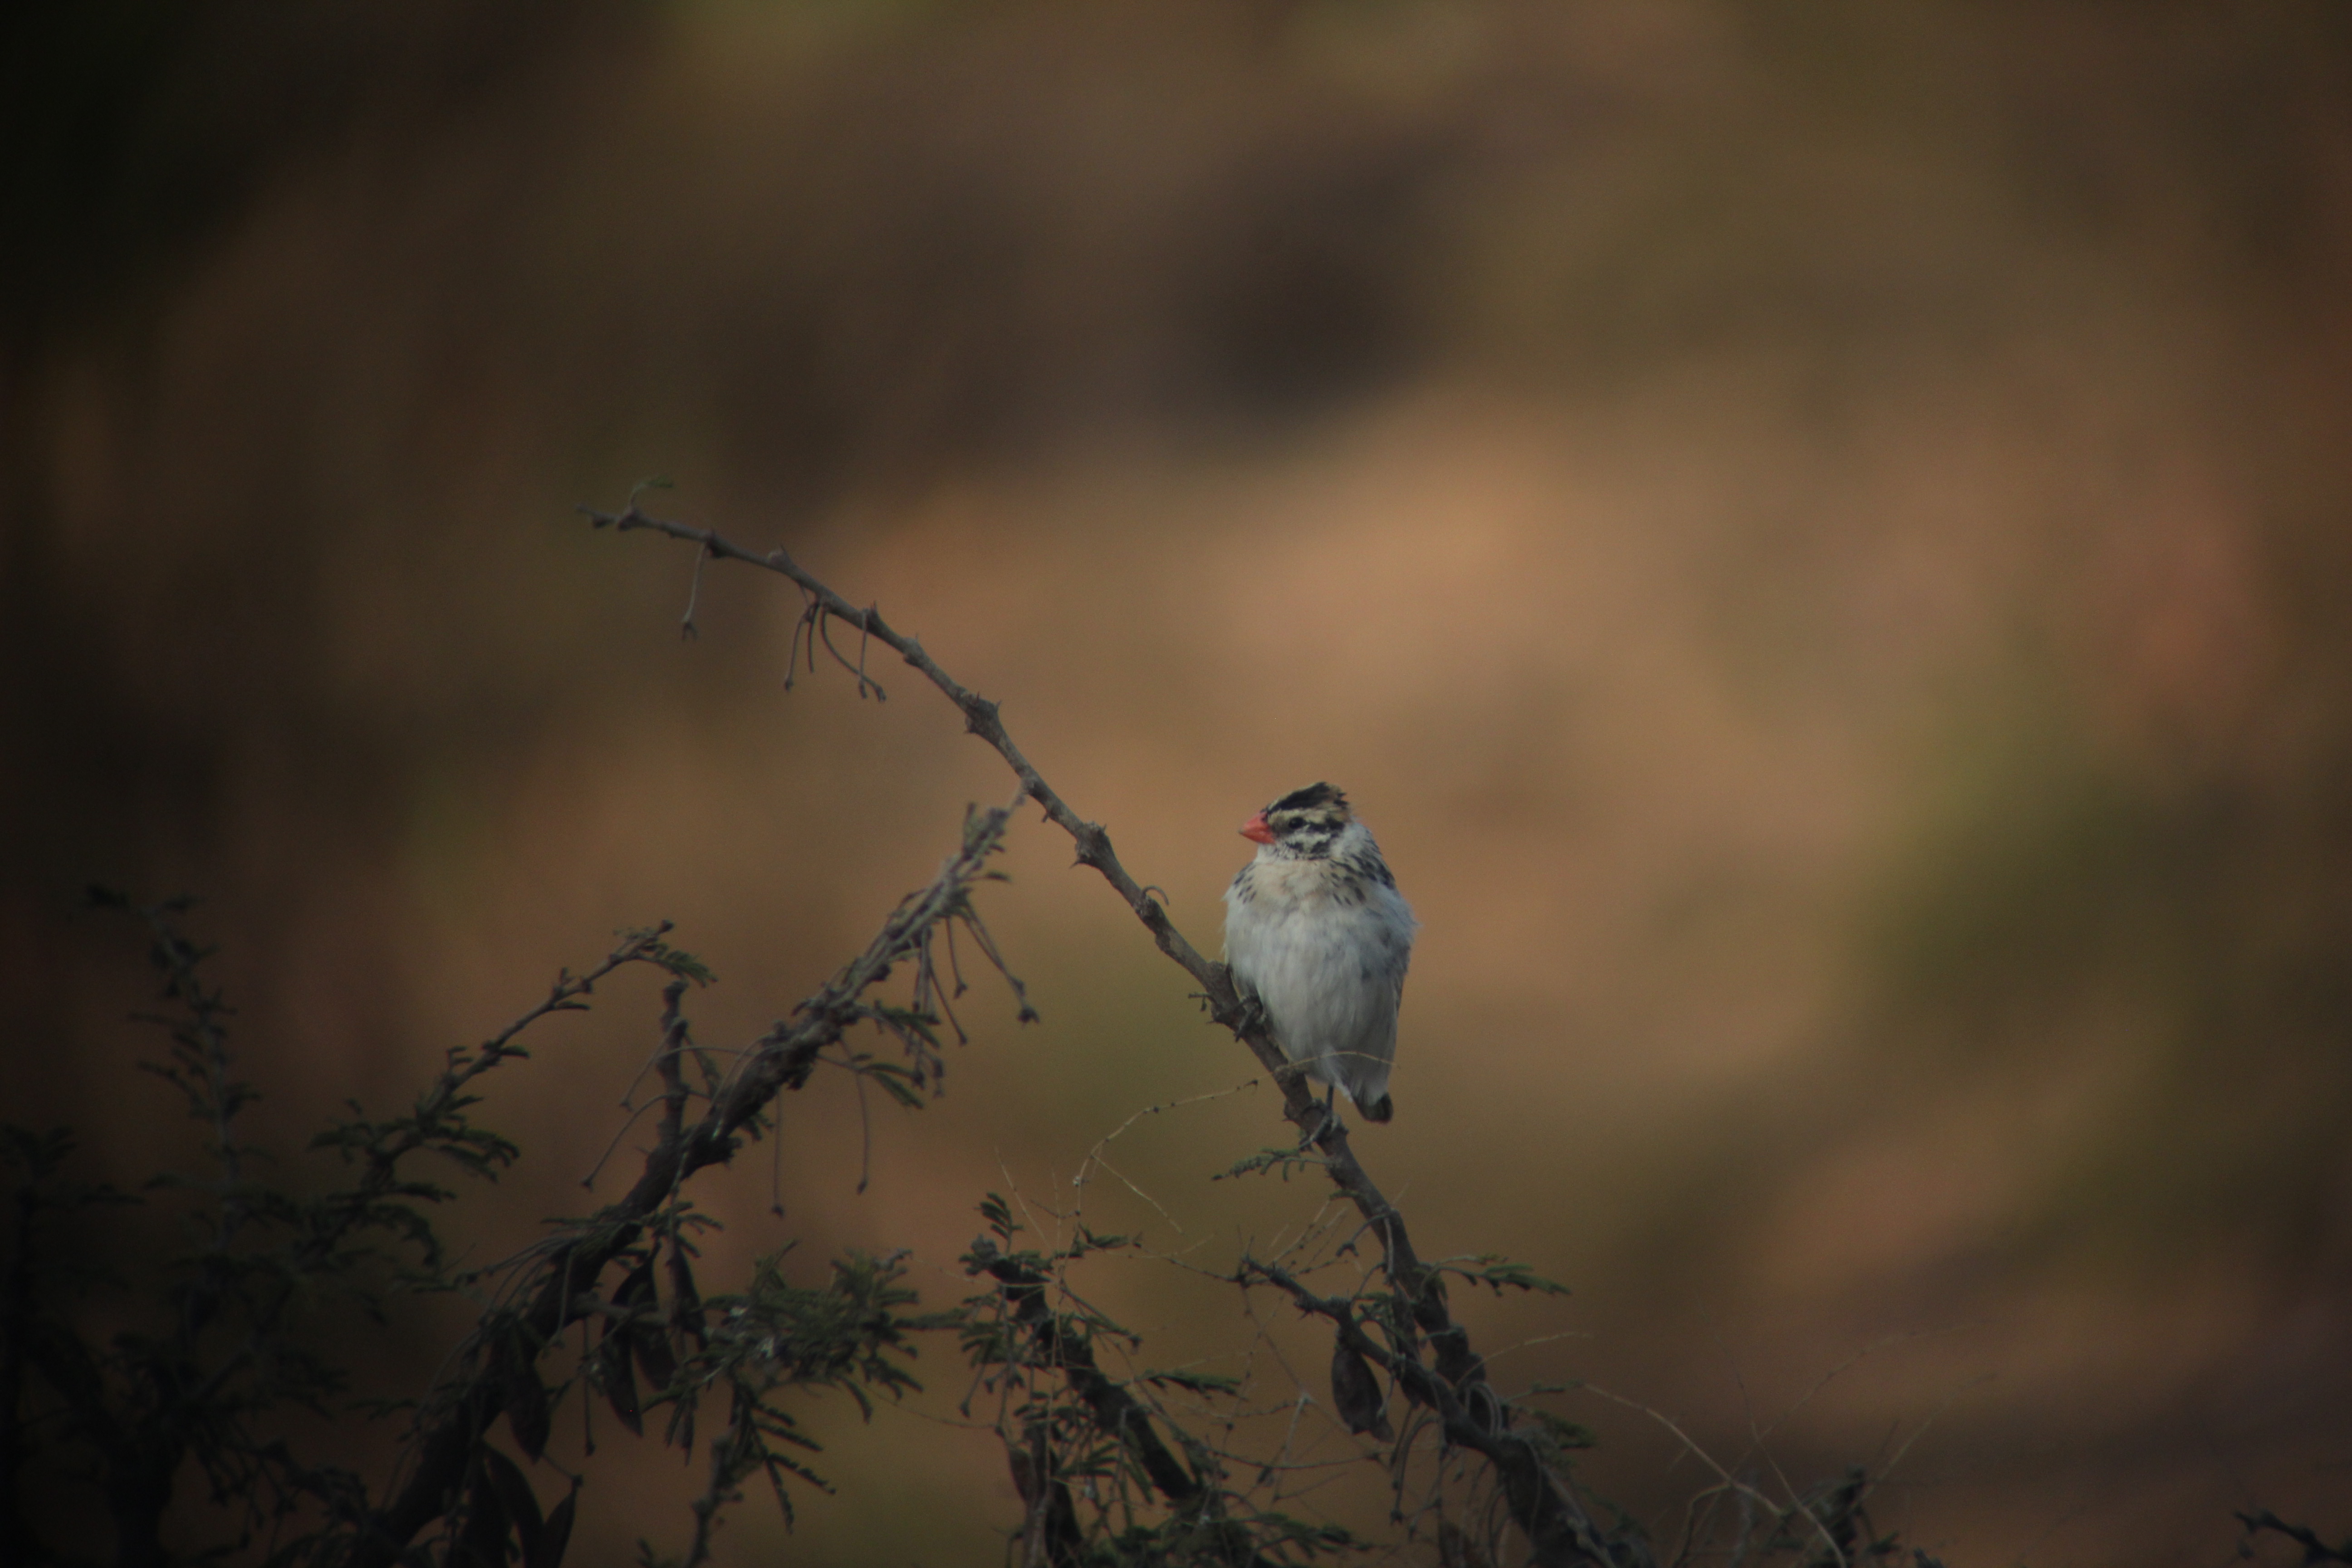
1330	972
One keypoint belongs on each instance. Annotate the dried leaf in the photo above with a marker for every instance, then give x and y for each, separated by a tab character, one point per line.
556	1533
482	1543
527	1410
654	1358
619	1383
515	1497
1024	1472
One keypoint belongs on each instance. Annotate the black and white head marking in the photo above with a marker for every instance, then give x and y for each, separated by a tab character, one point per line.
1307	821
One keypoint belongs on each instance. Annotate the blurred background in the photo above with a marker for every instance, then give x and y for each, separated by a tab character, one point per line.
1816	536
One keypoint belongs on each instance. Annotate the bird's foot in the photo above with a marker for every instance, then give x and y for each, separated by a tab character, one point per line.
1328	1117
1254	1018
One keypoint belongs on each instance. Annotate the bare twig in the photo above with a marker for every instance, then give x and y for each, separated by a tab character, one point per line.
1098	1160
686	626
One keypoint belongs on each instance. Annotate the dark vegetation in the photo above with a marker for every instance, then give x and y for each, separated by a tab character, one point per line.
190	1391
195	1394
2021	201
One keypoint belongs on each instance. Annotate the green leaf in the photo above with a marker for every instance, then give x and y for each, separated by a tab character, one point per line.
1564	1432
661	955
1498	1273
1196	1382
1282	1160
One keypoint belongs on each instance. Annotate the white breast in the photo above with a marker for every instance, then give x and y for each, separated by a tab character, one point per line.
1326	952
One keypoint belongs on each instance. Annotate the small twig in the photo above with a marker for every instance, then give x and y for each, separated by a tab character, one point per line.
775	1174
1796	1505
613	1146
1095	1155
1139	1193
865	636
686	626
792	647
866	1134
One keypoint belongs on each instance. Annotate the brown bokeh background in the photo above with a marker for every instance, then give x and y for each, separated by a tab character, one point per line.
1816	535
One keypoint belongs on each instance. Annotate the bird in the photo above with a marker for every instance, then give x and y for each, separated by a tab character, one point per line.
1317	937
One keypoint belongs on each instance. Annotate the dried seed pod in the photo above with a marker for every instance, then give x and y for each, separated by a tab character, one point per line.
1357	1393
610	1372
1024	1472
526	1404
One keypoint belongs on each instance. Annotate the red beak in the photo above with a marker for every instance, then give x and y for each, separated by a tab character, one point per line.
1257	831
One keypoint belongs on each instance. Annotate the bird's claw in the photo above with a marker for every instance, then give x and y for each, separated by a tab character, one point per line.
1312	1131
1254	1020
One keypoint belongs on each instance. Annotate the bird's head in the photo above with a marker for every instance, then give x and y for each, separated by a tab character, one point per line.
1303	822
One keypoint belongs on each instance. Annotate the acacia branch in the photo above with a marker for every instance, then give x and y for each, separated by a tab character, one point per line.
1548	1512
1541	1502
1118	1414
1094	849
494	1374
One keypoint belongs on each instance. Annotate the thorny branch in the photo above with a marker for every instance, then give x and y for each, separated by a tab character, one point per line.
497	1377
1472	1419
1115	1410
1543	1504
